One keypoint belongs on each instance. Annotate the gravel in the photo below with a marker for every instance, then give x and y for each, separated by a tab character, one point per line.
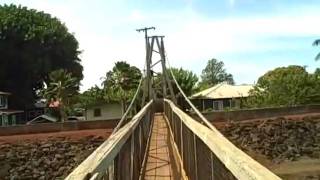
48	159
278	139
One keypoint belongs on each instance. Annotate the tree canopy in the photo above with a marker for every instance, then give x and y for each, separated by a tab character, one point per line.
61	88
186	79
316	43
33	44
214	73
92	96
286	86
121	82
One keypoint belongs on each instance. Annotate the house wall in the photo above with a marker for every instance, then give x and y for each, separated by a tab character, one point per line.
108	111
58	127
4	120
216	104
10	119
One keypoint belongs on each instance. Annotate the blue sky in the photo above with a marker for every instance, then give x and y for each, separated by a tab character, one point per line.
249	36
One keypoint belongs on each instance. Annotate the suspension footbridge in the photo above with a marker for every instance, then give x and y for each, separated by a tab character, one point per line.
162	141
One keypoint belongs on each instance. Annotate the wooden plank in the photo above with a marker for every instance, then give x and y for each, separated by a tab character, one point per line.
144	161
239	163
159	164
103	156
177	160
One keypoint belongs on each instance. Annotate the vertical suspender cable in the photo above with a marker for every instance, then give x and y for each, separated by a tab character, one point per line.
130	106
189	102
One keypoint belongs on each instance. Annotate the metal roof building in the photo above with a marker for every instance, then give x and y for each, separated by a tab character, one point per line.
224	91
221	96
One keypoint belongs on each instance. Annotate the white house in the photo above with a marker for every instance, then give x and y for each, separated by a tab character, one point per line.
106	111
221	96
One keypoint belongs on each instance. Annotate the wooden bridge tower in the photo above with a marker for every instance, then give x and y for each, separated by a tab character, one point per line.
155	44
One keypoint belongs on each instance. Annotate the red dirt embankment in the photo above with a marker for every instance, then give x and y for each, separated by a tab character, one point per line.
75	135
47	155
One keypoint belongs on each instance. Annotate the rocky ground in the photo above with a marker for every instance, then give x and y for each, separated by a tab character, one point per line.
280	139
52	158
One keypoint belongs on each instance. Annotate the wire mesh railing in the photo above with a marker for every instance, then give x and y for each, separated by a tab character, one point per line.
206	154
122	155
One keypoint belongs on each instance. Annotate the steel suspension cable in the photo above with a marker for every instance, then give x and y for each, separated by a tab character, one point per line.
187	99
130	106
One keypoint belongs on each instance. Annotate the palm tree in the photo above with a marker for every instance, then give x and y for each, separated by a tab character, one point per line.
317	43
121	83
91	96
61	87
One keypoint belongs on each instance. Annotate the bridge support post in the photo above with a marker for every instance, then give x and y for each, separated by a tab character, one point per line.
165	76
148	92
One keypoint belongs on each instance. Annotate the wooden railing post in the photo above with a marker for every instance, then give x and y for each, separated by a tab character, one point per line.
140	143
181	140
132	155
212	169
195	156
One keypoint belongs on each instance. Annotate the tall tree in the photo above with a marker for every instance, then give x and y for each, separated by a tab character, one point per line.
60	89
214	73
186	79
317	43
285	86
33	44
92	96
121	83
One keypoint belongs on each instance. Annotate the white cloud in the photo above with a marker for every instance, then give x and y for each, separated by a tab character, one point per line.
191	39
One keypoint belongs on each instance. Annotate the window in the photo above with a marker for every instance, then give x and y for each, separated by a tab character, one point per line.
2	103
226	103
13	120
97	112
208	104
4	120
218	105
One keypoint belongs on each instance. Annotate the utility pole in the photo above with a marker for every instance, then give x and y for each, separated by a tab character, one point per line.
147	85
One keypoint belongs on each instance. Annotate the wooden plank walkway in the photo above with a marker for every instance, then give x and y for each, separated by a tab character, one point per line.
158	164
